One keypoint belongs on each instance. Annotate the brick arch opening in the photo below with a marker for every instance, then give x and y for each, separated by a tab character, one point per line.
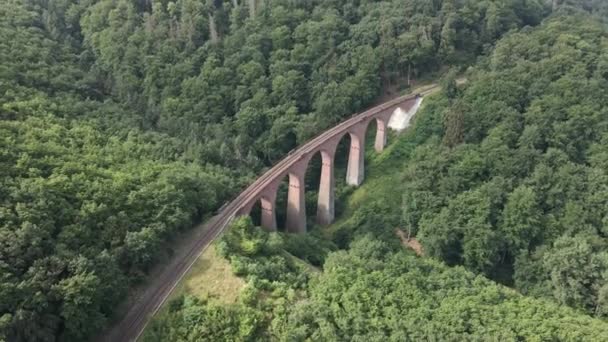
371	132
341	154
256	213
312	181
281	202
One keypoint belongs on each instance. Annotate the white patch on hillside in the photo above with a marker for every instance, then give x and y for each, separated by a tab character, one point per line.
400	119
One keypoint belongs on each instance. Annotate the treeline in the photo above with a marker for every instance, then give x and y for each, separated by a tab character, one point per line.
372	292
84	215
275	79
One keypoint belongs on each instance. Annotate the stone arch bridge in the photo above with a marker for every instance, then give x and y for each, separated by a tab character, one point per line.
294	167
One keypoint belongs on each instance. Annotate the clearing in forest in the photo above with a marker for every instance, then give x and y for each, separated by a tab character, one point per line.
211	277
411	242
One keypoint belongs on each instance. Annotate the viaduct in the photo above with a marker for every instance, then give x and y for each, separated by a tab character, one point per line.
264	190
295	165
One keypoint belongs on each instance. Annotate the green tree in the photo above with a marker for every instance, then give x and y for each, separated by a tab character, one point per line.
522	219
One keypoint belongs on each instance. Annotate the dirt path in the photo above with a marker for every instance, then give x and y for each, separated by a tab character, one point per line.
411	242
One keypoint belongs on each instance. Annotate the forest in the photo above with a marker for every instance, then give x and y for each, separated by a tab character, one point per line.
125	122
504	183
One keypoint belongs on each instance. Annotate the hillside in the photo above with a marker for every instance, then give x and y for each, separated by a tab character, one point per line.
503	180
125	123
508	177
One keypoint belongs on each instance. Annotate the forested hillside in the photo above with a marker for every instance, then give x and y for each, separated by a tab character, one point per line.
507	175
373	291
124	122
503	178
518	187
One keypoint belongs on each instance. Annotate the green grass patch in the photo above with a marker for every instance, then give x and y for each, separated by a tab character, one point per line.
210	277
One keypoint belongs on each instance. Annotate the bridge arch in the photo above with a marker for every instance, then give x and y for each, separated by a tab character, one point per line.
320	182
296	203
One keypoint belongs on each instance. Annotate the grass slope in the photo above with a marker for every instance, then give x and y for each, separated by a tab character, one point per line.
210	277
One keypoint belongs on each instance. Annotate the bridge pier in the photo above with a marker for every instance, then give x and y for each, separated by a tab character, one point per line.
269	217
380	142
296	206
356	158
325	202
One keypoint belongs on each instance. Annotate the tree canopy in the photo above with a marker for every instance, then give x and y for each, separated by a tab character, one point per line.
123	123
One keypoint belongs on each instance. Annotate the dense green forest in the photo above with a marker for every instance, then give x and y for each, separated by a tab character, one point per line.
123	123
374	291
507	176
519	189
504	179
